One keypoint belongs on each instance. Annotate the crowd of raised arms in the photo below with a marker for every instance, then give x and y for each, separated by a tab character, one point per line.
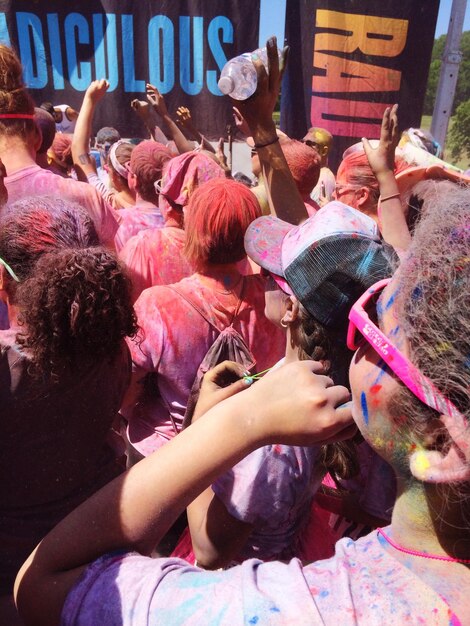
229	400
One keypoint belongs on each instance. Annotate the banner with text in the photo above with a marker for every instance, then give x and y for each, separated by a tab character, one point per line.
350	60
178	45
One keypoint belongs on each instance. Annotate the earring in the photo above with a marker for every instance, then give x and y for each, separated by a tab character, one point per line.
284	324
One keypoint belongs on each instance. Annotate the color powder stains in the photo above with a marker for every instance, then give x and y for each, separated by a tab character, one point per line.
365	408
444	346
375	389
390	301
254	620
324	593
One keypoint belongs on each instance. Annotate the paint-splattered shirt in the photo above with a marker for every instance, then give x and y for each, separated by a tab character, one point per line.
135	219
36	181
361	585
176	338
155	257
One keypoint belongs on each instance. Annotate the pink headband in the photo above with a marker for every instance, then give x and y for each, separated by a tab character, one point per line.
17	116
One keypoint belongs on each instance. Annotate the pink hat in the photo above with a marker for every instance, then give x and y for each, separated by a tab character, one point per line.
328	261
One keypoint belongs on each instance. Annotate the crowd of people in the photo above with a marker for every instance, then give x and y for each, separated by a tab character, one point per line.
229	400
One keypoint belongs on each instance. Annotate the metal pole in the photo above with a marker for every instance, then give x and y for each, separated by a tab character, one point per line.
449	73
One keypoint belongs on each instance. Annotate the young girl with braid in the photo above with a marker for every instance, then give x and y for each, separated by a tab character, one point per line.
64	368
315	271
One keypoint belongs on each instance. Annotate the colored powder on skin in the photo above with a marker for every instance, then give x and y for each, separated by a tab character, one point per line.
466	363
365	409
390	301
375	389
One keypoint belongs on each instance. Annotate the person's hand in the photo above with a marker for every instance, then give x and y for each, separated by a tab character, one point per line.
183	117
295	404
382	158
219	383
156	100
3	189
240	122
97	89
142	108
258	109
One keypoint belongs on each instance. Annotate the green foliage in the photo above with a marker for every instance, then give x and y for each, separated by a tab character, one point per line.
459	134
462	93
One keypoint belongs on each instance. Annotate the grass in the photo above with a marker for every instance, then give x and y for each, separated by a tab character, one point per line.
464	164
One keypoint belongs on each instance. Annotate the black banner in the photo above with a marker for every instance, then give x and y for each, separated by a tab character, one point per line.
178	45
351	59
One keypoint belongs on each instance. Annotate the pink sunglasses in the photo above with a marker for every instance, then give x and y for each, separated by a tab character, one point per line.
410	376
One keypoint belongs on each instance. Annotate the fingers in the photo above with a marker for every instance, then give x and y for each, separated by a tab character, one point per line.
283	61
273	63
224	373
237	116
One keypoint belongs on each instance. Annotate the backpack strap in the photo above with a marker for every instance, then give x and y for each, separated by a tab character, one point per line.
195	306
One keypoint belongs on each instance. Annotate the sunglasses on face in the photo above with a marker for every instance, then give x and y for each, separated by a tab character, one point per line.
254	152
311	144
363	326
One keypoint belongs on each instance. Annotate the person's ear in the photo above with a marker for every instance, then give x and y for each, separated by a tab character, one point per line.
324	151
363	197
433	466
292	310
37	138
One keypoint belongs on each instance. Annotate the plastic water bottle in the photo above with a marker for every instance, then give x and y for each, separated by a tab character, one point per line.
238	78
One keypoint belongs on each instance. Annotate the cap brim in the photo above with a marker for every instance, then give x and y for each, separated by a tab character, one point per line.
263	242
413	175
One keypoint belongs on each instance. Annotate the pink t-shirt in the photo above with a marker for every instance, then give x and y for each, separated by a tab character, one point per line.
135	219
362	585
155	257
36	181
175	340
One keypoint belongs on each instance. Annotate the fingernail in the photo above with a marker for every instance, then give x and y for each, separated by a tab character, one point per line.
248	380
246	374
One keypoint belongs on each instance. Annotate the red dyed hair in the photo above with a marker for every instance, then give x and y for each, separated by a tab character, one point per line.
355	170
304	164
147	162
218	214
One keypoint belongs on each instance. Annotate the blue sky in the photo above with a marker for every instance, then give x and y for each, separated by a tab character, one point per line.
272	20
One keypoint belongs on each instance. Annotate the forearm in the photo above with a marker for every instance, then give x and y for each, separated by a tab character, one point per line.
82	160
136	510
217	536
182	144
391	216
283	196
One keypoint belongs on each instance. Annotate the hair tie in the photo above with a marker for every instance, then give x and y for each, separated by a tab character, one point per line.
17	116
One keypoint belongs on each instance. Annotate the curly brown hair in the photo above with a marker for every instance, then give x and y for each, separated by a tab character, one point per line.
75	309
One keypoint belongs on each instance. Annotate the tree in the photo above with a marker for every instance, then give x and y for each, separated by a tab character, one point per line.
459	134
462	93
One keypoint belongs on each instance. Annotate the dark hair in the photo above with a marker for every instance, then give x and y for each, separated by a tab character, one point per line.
48	107
46	124
34	226
14	97
218	214
75	310
74	299
321	344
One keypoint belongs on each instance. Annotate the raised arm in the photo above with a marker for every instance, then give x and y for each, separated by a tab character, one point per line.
284	198
392	219
185	120
293	405
84	163
159	105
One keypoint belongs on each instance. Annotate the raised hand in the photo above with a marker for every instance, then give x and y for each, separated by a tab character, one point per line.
382	158
258	109
97	89
240	122
156	100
